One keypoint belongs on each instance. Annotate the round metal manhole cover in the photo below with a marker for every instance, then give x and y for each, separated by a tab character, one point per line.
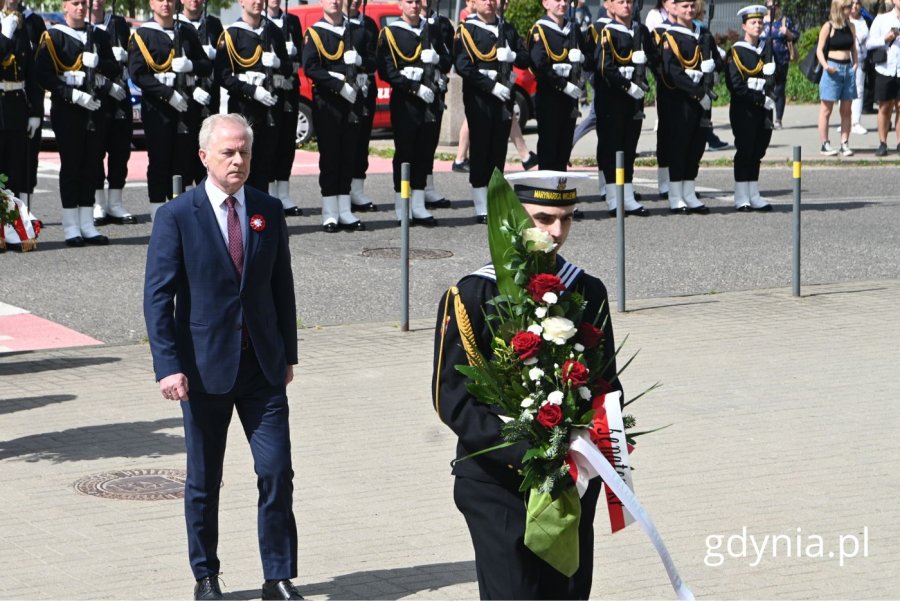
135	485
414	253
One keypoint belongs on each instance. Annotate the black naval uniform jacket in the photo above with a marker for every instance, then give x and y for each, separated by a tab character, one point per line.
473	51
17	67
291	31
548	44
745	61
751	123
318	64
681	50
617	43
116	27
209	29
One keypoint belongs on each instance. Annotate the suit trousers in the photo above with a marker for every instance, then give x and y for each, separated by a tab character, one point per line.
505	567
263	411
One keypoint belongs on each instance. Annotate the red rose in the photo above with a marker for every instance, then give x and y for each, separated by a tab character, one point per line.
574	373
526	344
588	335
549	415
543	283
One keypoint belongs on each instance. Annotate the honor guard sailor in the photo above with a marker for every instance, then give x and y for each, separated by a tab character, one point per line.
433	198
108	206
335	59
209	29
750	70
411	62
486	488
625	50
75	63
289	92
252	64
360	201
485	49
165	58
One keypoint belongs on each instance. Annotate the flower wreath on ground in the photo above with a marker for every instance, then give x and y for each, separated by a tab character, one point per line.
16	231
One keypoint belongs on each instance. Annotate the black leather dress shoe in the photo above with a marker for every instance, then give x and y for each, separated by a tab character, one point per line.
76	242
207	588
423	221
127	220
744	209
701	210
679	211
293	212
576	214
279	589
482	219
638	196
664	196
356	226
437	204
330	228
368	207
531	162
762	209
642	212
98	221
99	240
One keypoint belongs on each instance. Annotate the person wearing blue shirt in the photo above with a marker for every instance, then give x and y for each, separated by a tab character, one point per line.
784	34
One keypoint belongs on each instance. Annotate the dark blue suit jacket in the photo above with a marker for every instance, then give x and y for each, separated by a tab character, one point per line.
188	261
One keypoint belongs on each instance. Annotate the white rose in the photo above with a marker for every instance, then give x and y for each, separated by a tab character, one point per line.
535	373
585	393
536	329
540	312
550	298
542	241
578	347
530	361
558	329
527	417
527	402
555	398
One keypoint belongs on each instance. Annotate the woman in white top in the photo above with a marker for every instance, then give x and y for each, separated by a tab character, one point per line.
862	33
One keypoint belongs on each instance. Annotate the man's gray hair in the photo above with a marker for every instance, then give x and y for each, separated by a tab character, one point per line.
213	121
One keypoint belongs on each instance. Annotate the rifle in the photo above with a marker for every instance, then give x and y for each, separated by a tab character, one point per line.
640	71
353	117
504	69
576	75
709	79
207	81
90	75
180	80
294	65
114	37
769	57
269	81
428	69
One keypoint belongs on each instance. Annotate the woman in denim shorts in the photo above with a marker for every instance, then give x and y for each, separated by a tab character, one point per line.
839	66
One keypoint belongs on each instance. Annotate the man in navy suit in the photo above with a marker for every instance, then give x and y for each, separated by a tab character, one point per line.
230	341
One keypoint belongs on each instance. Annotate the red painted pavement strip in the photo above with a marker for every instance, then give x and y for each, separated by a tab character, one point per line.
27	332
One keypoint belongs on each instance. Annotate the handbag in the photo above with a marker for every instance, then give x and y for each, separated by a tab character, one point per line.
792	52
810	65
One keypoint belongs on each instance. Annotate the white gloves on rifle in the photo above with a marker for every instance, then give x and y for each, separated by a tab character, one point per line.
562	69
291	49
34	123
639	57
201	96
182	64
210	52
626	72
9	24
706	102
506	55
708	66
90	60
501	92
348	92
425	94
490	74
769	69
178	102
430	57
262	95
635	91
755	83
412	73
695	75
769	103
85	100
120	53
572	90
575	56
351	57
270	60
116	91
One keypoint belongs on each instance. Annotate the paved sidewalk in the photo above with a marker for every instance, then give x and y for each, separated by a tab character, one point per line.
784	423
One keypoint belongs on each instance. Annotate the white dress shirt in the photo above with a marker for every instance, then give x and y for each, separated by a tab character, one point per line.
882	24
220	209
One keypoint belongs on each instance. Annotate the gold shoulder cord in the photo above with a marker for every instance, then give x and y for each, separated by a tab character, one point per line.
687	64
320	47
594	33
556	58
11	61
47	41
472	49
622	60
155	67
234	57
464	326
744	71
395	50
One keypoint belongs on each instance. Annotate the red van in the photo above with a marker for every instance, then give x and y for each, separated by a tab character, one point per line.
383	13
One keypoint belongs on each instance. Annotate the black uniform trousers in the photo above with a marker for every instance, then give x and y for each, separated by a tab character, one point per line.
117	147
80	152
361	160
338	140
168	152
751	139
505	567
414	139
663	98
286	147
615	118
685	138
439	118
556	128
488	135
265	138
14	152
263	411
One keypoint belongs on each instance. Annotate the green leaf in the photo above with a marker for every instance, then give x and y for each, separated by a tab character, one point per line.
503	205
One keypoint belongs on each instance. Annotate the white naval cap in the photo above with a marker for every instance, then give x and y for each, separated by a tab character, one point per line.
550	188
754	11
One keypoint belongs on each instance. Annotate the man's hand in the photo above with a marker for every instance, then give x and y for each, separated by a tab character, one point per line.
289	376
175	387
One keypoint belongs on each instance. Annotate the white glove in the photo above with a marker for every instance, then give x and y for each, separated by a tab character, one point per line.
291	49
90	60
116	91
201	96
351	57
708	66
74	78
412	73
99	80
492	75
425	94
270	60
722	53
513	76
638	58
572	90
769	69
501	92
120	53
562	69
706	102
769	104
210	52
85	100
430	57
261	95
695	75
626	72
575	56
506	55
755	83
34	123
182	64
8	24
178	102
348	92
635	91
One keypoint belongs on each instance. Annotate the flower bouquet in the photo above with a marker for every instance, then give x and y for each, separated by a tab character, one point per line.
17	228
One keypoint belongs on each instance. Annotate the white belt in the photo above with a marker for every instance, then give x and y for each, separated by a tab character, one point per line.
254	78
11	86
166	79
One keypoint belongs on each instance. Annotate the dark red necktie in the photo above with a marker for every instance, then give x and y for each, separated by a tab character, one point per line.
235	239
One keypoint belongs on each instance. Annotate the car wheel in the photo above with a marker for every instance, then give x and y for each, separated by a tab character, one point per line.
522	108
304	124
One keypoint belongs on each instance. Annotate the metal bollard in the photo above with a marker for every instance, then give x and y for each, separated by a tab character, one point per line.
795	254
404	247
177	187
620	229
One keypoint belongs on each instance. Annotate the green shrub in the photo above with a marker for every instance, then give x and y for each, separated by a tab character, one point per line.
522	14
798	88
